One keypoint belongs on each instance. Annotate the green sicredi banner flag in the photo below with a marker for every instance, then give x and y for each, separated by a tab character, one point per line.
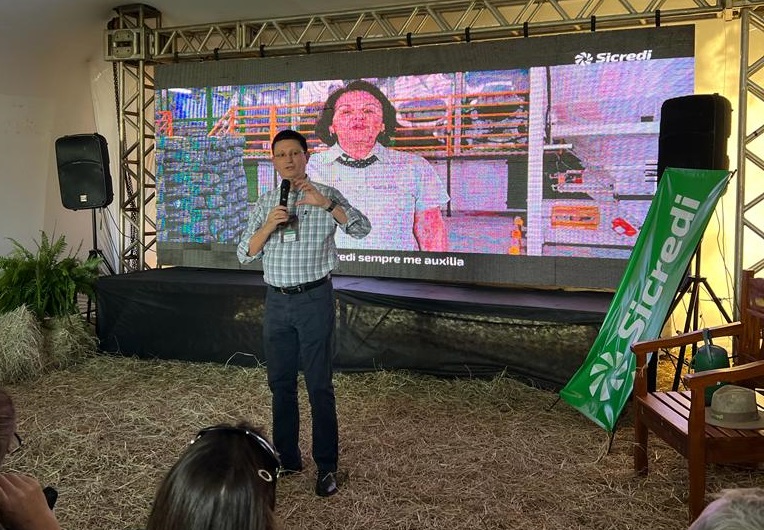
673	228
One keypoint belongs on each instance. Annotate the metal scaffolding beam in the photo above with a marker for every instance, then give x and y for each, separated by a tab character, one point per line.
424	23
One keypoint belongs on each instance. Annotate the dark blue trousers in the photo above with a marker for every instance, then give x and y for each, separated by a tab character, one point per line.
298	331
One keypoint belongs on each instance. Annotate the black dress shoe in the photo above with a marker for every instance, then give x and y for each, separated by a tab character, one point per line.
327	484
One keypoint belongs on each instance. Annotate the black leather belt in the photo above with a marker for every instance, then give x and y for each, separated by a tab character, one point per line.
300	288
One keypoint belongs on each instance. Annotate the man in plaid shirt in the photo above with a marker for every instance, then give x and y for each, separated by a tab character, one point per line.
296	245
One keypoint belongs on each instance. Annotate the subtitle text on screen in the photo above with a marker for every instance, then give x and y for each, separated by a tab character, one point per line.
443	261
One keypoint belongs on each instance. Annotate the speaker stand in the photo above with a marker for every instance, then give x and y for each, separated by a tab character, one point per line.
96	252
691	284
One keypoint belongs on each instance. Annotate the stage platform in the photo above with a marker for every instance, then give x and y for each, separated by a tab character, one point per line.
213	315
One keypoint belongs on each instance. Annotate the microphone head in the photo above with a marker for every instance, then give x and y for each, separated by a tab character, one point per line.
284	197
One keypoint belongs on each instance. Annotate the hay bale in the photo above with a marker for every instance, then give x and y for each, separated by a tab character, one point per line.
29	348
67	340
20	346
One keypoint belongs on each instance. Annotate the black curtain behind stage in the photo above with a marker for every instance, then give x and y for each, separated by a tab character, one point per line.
214	315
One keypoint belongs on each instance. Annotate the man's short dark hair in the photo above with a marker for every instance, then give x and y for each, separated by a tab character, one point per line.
389	117
289	134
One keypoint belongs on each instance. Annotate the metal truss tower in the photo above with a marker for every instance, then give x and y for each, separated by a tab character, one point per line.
136	41
134	86
750	176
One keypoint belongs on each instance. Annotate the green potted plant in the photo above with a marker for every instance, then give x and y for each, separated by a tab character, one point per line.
40	325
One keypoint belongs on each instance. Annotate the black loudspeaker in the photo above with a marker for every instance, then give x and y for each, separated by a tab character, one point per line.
83	171
693	132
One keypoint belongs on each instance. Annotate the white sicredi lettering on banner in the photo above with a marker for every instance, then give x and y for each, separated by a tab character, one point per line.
680	225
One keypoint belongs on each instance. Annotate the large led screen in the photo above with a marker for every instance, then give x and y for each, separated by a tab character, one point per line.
522	162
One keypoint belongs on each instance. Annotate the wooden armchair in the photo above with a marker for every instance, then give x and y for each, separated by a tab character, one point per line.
678	418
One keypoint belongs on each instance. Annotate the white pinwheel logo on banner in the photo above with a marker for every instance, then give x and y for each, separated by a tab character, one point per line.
608	375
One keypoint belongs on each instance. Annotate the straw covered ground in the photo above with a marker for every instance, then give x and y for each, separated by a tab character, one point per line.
421	452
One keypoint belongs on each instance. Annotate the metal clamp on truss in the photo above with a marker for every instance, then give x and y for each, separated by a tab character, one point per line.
125	44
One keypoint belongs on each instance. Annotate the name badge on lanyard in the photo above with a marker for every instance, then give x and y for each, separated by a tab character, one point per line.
291	230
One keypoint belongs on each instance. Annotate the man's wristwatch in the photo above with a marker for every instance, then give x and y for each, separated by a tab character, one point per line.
331	206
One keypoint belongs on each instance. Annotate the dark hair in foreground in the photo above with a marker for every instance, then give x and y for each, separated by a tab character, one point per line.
7	422
225	480
289	134
389	115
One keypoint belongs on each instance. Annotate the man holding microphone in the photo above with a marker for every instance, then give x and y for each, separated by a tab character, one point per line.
298	253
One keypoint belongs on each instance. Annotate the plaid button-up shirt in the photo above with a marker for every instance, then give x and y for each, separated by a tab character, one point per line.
314	254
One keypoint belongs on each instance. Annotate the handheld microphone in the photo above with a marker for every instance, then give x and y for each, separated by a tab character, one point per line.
284	197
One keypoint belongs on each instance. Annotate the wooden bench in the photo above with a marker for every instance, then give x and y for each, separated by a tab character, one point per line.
678	417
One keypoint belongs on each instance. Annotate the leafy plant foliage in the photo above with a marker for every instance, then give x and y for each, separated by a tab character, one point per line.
46	281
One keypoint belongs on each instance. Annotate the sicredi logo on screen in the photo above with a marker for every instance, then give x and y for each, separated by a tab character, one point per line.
610	57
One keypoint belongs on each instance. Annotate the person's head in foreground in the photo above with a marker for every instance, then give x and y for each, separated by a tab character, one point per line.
7	424
225	480
23	505
734	509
